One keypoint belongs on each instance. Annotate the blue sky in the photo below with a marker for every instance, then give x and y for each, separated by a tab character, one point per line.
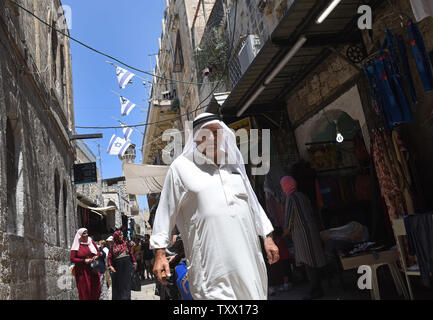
127	30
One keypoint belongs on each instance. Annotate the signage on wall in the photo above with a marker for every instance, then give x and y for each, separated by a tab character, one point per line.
85	173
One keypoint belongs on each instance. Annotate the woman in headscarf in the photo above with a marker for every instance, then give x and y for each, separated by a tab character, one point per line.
305	234
83	252
120	258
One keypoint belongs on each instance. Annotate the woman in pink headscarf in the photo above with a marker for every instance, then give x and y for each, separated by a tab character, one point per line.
301	225
83	252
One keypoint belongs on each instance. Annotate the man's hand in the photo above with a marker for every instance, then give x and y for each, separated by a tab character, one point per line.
112	269
161	268
271	250
170	259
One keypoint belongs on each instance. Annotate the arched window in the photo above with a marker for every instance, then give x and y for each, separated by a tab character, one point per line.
14	179
54	47
65	213
57	203
178	55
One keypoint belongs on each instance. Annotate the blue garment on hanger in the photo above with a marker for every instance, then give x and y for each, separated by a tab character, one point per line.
394	102
406	68
376	92
391	62
420	55
386	83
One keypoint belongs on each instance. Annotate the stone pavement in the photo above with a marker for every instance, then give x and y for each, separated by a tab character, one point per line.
147	291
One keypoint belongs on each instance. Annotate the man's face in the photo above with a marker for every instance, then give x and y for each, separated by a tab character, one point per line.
208	141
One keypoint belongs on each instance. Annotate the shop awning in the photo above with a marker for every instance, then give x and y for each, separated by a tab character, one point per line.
102	210
339	28
142	179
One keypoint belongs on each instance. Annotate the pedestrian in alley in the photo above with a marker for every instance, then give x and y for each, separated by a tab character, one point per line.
83	251
104	275
148	257
208	196
109	243
139	258
301	225
120	259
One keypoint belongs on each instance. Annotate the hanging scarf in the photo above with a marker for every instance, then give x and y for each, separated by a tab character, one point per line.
119	246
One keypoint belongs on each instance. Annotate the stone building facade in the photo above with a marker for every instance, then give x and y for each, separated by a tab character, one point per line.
37	197
126	205
186	29
92	192
175	60
251	18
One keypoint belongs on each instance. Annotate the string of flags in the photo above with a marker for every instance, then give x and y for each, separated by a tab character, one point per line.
124	77
127	131
118	145
126	106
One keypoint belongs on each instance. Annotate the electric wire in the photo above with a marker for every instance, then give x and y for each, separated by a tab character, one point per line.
133	68
98	51
182	115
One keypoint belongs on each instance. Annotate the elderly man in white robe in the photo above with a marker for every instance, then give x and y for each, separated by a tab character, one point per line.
208	196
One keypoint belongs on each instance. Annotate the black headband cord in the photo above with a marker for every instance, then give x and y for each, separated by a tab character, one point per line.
200	121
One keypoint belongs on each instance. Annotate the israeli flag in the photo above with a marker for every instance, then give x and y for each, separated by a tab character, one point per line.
127	131
117	146
127	106
123	76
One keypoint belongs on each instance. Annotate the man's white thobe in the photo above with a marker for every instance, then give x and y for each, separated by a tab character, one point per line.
209	205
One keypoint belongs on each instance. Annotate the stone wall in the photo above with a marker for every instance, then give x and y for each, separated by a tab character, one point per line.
34	258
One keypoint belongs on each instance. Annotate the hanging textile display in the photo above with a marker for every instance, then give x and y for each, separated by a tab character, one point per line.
394	192
405	63
386	83
420	55
387	176
390	78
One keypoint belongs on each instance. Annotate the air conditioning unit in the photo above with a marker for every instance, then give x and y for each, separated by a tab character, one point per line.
249	51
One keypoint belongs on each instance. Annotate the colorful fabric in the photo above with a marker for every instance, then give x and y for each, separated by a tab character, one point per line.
406	68
420	55
388	181
182	281
386	81
396	203
118	247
